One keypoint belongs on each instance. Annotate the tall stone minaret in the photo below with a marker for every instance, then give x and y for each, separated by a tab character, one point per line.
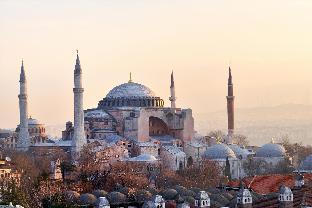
79	138
230	107
23	142
172	97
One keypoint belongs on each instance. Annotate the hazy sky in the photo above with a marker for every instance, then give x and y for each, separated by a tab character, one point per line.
268	44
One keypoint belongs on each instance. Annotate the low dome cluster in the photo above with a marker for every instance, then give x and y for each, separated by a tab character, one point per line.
219	151
271	150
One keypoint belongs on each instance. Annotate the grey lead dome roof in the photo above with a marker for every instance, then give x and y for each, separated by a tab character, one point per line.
271	150
219	151
306	164
130	90
32	121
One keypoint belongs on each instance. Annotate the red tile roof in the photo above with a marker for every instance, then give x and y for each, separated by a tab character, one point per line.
265	184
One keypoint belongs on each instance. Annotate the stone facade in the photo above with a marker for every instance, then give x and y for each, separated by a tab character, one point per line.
143	121
173	157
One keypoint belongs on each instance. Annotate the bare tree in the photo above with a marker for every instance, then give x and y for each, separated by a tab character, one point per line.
207	174
240	140
254	167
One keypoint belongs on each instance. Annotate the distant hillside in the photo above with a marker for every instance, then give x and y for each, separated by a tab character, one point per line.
261	124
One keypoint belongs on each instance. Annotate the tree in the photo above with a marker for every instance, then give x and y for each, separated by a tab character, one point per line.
65	168
217	134
284	167
13	193
207	174
297	151
254	167
240	140
132	175
227	169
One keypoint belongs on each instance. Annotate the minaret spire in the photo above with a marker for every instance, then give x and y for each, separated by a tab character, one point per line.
77	66
172	97
23	142
22	74
230	77
79	138
230	108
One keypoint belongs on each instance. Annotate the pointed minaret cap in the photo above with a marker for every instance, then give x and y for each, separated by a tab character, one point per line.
22	75
77	59
172	80
230	77
77	66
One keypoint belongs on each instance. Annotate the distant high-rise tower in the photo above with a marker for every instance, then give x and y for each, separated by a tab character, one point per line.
79	138
23	135
230	108
172	97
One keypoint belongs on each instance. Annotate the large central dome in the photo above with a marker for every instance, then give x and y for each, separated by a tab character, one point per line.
130	90
130	94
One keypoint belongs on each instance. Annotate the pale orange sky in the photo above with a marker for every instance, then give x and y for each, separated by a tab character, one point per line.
268	44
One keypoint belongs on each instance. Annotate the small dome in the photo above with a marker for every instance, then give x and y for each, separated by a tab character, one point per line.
102	201
271	150
219	151
202	195
87	199
130	90
239	152
244	193
116	197
99	193
144	158
32	121
285	190
306	164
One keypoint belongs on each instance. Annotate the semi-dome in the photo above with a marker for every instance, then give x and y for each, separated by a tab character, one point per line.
219	151
32	121
306	164
131	94
271	150
130	90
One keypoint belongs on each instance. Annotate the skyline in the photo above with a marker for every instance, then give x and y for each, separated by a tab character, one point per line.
269	59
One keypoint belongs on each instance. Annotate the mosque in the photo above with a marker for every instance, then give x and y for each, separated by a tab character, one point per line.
134	120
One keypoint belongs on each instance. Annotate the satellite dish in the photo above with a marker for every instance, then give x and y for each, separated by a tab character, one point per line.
8	159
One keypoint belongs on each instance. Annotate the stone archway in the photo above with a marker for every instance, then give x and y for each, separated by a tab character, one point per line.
157	127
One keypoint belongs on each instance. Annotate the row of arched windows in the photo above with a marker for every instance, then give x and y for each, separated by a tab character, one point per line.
37	130
136	102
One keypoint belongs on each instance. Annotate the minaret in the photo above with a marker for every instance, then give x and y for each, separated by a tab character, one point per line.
172	97
23	142
79	138
230	108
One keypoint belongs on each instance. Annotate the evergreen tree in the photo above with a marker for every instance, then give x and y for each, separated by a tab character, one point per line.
227	170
